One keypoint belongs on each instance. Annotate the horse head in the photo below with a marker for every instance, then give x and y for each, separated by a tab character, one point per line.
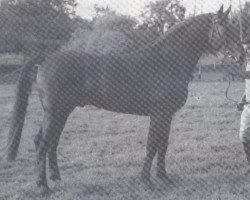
224	37
217	34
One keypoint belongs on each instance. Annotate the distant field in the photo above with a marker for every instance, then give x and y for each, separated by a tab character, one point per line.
101	153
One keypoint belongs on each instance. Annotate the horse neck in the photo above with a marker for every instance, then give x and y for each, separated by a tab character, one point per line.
187	44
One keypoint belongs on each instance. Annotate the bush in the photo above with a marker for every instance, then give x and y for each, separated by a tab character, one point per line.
108	33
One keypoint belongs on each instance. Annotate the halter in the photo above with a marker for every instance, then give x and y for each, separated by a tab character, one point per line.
215	23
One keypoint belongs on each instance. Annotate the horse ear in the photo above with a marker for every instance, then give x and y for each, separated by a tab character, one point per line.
228	11
220	12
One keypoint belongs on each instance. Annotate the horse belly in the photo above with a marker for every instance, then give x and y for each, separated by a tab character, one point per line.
142	101
121	101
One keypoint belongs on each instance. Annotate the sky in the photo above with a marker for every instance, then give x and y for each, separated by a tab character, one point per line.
133	7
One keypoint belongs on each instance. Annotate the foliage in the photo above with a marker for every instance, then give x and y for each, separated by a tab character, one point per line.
100	10
163	14
109	31
28	22
245	19
113	32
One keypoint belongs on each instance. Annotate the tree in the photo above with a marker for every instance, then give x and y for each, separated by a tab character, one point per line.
245	20
32	22
100	11
163	13
109	32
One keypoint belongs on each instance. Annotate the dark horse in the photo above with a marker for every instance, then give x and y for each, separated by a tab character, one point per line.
151	82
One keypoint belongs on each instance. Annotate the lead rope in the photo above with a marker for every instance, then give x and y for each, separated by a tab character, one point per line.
226	92
232	100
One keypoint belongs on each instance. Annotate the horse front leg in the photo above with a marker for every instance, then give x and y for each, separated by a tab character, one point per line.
151	150
157	142
162	146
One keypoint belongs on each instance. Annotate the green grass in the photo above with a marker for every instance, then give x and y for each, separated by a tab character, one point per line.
101	153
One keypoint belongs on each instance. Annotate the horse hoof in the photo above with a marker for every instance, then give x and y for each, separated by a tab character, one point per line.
164	178
45	191
146	182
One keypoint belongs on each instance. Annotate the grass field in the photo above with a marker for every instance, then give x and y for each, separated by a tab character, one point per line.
101	153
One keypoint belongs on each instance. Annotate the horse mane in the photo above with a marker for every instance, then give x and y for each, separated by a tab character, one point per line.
179	28
175	35
189	22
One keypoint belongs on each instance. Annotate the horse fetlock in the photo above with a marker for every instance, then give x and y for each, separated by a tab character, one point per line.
146	181
55	176
44	190
161	170
42	182
54	172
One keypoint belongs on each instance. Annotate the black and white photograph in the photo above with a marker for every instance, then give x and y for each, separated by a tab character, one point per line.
125	99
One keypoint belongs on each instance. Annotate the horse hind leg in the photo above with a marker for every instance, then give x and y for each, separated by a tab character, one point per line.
46	142
59	123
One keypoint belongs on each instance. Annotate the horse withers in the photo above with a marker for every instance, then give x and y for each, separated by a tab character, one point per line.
150	82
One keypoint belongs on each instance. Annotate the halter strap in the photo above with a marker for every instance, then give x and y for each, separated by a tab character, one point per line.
215	22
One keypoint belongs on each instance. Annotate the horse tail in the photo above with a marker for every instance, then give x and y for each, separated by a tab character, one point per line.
23	92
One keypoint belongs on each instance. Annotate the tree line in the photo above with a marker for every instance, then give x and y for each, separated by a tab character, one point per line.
35	26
